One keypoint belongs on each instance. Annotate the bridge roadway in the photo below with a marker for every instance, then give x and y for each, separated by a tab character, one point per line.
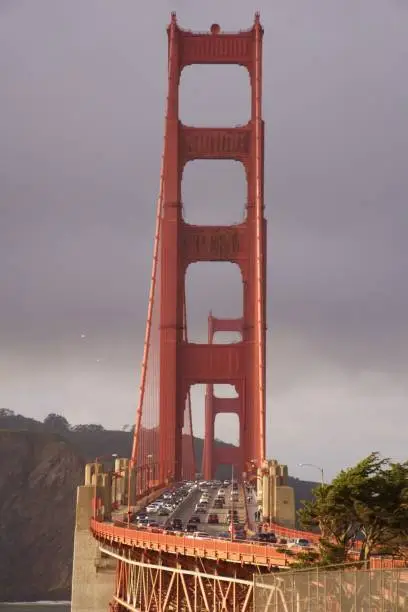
186	510
117	533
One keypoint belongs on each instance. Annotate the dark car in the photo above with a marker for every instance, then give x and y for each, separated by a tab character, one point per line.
269	538
190	527
177	523
195	519
213	519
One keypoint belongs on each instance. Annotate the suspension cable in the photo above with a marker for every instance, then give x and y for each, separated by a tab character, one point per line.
159	214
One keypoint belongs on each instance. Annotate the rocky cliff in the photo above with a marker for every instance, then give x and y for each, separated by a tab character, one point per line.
39	473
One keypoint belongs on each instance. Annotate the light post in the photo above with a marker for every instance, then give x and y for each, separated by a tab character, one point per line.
232	503
130	467
317	467
149	470
96	462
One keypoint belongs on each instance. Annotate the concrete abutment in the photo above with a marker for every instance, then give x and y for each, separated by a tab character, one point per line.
93	577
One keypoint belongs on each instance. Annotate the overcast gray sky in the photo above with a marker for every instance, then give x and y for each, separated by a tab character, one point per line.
82	94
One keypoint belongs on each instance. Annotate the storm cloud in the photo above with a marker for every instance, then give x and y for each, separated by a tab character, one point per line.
82	95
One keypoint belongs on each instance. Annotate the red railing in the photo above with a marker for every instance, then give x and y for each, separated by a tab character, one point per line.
287	532
182	544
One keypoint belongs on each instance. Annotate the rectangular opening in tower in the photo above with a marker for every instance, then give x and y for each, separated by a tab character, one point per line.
214	192
227	337
226	426
215	287
215	95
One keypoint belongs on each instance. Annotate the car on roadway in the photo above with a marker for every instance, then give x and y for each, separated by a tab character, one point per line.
202	535
191	527
163	511
195	519
177	523
213	519
267	538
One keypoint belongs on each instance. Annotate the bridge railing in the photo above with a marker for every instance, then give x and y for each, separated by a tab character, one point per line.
215	549
290	533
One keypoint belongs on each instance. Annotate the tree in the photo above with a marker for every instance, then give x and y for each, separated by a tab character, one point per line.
368	502
6	413
56	423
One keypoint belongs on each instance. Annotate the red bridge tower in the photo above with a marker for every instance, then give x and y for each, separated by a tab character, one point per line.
182	363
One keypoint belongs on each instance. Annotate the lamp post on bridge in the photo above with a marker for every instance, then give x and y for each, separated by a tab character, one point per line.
232	503
149	471
317	467
97	461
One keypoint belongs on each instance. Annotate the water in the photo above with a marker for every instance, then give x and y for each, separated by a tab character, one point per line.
38	606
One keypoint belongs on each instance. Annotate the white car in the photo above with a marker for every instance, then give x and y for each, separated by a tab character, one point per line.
201	535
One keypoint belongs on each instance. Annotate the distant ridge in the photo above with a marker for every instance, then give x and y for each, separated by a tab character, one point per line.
92	440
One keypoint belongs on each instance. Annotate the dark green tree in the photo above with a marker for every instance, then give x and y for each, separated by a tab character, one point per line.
56	423
368	502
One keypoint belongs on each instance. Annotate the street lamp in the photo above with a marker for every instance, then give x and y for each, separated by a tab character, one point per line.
232	503
317	467
149	471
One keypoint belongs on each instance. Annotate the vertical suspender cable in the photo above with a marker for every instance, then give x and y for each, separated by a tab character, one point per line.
156	254
259	236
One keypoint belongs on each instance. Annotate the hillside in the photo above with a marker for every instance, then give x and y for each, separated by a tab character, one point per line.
93	441
39	473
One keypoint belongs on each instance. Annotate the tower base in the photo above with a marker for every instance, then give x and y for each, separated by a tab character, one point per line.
93	575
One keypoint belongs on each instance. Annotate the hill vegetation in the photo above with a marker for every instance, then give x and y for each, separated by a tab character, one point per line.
92	440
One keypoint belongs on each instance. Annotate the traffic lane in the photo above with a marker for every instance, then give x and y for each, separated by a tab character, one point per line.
186	509
215	529
239	506
166	518
189	510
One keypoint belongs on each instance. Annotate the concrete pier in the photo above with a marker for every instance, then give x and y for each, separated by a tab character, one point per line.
93	577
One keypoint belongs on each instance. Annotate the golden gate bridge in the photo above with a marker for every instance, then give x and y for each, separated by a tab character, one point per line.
152	569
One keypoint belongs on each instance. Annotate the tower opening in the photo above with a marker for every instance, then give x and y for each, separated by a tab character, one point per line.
215	287
212	96
214	192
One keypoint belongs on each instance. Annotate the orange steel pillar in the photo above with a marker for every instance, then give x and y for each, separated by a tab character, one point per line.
182	363
212	455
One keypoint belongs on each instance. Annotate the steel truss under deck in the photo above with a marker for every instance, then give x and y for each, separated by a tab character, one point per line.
156	587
